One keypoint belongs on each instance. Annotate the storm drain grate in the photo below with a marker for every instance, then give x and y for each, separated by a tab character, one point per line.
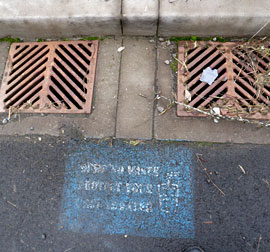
242	87
49	77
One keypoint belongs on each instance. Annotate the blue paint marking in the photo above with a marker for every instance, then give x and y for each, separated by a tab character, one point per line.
143	190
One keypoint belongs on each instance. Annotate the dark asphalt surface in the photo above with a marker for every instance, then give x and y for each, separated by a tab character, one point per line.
31	183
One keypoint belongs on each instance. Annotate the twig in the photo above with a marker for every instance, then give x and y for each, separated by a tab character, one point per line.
182	63
207	175
242	169
259	30
168	108
258	245
12	204
266	182
208	222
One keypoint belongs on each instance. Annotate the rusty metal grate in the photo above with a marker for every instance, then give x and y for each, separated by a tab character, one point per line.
49	77
236	90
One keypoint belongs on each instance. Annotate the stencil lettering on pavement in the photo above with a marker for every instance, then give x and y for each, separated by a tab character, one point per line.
143	190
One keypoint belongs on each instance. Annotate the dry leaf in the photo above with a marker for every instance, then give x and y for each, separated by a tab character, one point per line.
187	95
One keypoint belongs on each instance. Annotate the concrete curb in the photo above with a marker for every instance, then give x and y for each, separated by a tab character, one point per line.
227	18
140	18
59	19
75	18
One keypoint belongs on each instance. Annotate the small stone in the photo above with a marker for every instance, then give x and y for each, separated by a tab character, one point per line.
31	128
5	121
161	39
167	62
163	44
208	181
151	41
120	49
168	42
214	39
42	114
44	236
174	55
39	139
160	109
125	236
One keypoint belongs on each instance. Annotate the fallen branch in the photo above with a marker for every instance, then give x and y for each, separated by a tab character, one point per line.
207	175
219	116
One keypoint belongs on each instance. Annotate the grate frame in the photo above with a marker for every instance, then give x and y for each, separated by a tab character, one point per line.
228	83
57	76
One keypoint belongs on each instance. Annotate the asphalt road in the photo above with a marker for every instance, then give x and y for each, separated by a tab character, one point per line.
33	172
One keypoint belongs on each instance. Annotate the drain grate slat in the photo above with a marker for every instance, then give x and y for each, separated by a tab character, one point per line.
28	61
195	76
205	92
67	93
20	51
23	89
197	62
236	90
69	65
49	77
26	100
72	58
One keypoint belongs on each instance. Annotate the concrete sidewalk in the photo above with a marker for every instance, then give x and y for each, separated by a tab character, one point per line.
124	106
78	18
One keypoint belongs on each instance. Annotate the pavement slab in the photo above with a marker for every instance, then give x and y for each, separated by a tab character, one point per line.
123	102
4	46
136	90
171	127
100	123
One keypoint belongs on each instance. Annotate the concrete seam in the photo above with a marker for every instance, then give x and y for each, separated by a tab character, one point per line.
118	90
121	19
155	87
158	18
156	72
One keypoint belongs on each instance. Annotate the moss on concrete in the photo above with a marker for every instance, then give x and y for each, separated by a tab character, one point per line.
195	38
10	40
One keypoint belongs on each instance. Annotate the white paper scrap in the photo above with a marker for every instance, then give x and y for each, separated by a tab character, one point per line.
209	75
